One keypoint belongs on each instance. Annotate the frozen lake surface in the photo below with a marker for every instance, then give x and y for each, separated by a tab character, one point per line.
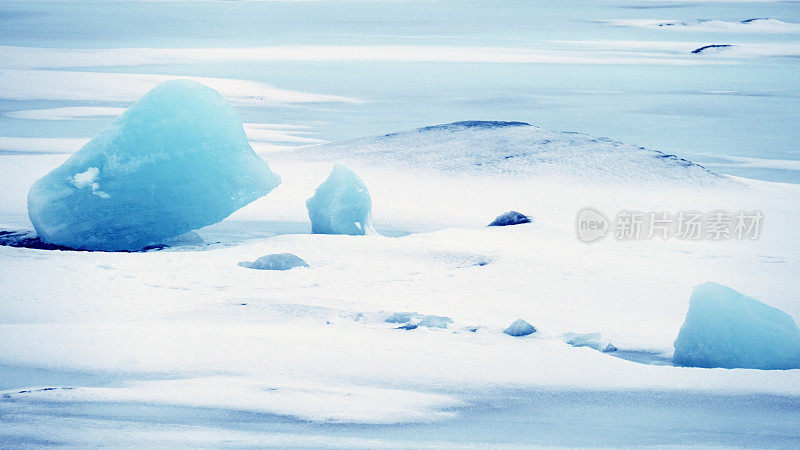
594	67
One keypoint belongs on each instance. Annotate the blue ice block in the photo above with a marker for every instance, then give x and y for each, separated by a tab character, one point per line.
177	160
341	205
724	328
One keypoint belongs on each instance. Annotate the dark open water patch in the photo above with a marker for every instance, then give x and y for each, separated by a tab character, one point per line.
29	239
712	46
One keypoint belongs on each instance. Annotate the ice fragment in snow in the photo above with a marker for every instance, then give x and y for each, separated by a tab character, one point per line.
520	328
408	326
510	218
435	321
276	261
175	161
341	205
401	317
412	320
725	328
591	340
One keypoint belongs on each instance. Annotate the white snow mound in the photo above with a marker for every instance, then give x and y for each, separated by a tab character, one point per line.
516	149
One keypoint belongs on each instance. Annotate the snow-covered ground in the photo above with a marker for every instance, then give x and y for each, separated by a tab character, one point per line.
189	327
184	347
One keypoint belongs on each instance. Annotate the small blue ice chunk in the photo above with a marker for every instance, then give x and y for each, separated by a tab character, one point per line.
609	348
408	326
175	161
435	321
276	261
341	205
520	328
510	218
724	328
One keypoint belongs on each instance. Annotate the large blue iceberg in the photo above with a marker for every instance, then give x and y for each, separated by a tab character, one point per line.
341	205
175	161
725	328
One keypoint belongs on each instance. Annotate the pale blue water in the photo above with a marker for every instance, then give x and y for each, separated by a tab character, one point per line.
676	109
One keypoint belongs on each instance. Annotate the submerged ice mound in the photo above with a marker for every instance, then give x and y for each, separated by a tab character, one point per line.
275	261
175	161
520	328
515	149
724	328
341	205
